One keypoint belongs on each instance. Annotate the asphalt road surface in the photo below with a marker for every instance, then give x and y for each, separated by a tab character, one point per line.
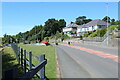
87	61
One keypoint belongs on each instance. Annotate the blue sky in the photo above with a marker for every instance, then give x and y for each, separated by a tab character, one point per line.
22	16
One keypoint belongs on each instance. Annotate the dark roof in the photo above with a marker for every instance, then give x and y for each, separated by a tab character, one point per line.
80	26
94	22
72	25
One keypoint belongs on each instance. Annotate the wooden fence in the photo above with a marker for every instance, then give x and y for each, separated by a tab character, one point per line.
1	62
38	70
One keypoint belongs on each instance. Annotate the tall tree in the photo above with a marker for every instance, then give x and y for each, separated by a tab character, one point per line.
8	39
112	20
106	18
82	20
62	24
52	26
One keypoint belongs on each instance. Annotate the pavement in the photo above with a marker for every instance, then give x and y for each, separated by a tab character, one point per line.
87	61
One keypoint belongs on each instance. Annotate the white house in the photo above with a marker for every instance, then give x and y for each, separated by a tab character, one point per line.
91	26
72	27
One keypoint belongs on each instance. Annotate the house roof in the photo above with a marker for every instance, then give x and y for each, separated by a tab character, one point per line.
80	26
72	25
94	22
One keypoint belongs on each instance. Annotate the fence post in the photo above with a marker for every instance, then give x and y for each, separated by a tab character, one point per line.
42	71
21	57
30	60
25	61
18	55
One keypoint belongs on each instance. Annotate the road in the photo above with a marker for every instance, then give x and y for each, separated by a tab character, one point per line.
87	61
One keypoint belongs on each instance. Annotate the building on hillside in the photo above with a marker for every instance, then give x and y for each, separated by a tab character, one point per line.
71	29
91	26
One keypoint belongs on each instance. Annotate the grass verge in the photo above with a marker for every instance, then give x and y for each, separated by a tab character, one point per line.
50	55
9	61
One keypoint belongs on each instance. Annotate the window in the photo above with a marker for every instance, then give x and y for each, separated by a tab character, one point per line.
100	26
92	27
87	28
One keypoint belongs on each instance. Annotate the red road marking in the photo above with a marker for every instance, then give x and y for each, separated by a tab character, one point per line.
102	54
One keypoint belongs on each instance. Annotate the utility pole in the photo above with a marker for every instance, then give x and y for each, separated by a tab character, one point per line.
107	22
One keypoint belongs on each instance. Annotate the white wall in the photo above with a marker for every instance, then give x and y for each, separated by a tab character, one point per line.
95	27
67	29
79	30
90	28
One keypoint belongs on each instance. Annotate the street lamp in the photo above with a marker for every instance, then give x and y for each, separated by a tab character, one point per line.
107	21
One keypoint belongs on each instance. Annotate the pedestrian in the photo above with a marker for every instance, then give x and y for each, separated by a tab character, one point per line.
68	43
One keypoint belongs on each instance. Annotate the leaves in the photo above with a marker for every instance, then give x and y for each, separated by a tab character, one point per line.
106	18
38	32
82	20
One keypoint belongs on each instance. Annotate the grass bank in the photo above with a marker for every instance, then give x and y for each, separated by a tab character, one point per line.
50	55
9	61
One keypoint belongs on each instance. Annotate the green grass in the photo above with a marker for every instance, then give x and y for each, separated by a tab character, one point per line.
9	60
112	27
50	55
0	41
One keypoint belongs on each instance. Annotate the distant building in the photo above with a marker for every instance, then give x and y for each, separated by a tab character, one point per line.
82	29
72	27
91	26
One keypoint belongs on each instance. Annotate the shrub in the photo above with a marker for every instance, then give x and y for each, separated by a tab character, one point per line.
98	33
85	35
102	32
116	36
93	34
46	39
81	37
113	27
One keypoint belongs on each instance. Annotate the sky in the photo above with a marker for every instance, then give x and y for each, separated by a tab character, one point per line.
23	16
59	0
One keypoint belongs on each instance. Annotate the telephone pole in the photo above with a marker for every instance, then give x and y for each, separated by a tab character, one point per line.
107	22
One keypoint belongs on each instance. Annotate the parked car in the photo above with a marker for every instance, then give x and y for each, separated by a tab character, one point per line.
46	42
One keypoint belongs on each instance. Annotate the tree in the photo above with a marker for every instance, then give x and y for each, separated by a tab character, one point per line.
82	20
8	39
106	18
71	32
46	39
112	20
39	32
62	24
53	26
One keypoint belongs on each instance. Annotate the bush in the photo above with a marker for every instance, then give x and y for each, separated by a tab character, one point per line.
46	39
102	32
98	33
65	36
85	35
93	34
112	27
81	37
116	36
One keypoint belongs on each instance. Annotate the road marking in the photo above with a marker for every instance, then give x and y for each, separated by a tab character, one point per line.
101	54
